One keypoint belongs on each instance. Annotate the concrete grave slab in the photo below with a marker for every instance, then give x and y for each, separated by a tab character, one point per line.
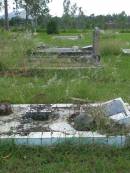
68	37
56	129
89	53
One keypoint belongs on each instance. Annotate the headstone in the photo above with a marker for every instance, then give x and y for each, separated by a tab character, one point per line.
114	107
96	38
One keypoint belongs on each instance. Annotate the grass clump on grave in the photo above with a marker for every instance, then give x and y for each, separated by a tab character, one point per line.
95	119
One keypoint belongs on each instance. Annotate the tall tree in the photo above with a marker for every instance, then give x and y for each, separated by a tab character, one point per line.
34	8
74	9
67	13
6	15
4	5
81	19
66	7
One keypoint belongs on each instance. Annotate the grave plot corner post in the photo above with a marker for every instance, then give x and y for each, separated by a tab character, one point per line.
96	47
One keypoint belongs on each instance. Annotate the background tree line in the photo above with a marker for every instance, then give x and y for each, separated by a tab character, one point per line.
38	17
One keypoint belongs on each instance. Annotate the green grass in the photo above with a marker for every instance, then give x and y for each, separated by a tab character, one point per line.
64	158
34	84
13	48
50	40
52	86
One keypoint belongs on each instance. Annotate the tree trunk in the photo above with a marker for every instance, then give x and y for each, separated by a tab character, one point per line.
6	15
35	29
26	17
34	24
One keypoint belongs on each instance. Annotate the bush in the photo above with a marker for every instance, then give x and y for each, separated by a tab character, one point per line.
125	31
52	27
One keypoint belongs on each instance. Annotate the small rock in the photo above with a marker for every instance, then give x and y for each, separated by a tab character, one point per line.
5	109
83	121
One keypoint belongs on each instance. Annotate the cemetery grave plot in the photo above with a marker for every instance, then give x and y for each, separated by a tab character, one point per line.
56	122
62	57
67	56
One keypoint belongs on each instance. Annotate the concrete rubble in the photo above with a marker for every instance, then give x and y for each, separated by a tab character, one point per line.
118	111
126	51
48	124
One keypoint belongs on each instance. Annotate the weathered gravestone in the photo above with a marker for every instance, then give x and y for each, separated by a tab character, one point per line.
96	48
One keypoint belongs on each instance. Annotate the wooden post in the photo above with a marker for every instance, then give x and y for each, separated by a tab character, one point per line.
96	49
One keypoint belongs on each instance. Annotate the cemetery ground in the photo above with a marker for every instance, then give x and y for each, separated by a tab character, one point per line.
66	158
46	80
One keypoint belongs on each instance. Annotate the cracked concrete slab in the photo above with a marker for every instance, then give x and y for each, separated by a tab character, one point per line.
56	128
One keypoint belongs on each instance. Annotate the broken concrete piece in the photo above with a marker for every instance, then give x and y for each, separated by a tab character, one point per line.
5	109
38	113
115	107
126	51
69	37
38	116
117	110
89	48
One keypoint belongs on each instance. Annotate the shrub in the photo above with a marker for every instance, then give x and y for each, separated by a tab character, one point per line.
52	27
125	31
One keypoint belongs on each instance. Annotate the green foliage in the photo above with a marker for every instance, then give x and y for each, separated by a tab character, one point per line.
2	67
13	47
111	47
125	31
52	27
64	158
34	7
28	80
